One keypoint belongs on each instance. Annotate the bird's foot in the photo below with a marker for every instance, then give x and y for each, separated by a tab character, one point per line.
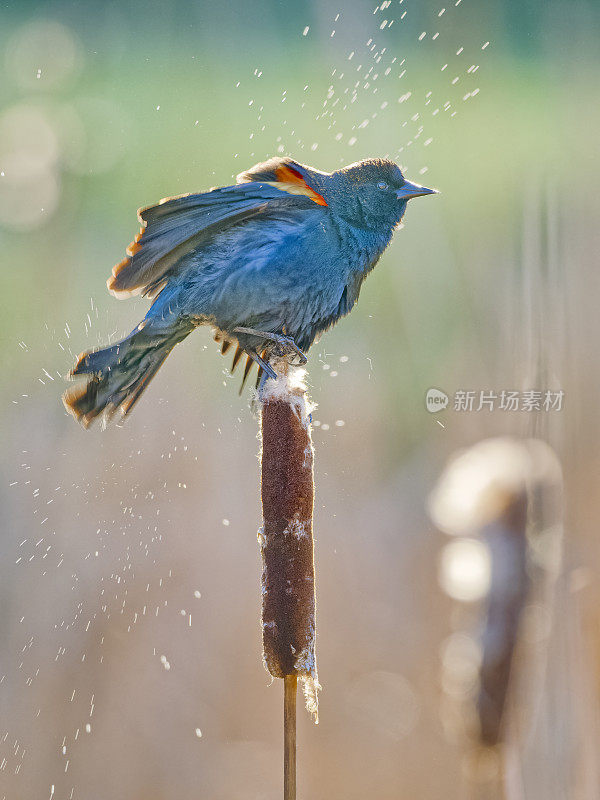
284	345
264	365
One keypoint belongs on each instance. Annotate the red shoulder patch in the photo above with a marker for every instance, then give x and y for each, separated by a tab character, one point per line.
293	178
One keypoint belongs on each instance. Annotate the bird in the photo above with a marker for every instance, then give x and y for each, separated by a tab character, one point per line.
269	263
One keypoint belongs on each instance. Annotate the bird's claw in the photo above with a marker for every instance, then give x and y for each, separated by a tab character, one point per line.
283	345
287	346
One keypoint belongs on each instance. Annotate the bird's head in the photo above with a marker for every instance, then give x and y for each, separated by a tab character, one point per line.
371	193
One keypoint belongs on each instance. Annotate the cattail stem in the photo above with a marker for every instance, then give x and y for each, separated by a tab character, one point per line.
290	684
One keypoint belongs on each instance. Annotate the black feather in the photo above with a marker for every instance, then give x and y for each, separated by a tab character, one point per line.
236	357
247	368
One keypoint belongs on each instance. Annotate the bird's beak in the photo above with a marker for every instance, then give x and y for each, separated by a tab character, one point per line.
410	190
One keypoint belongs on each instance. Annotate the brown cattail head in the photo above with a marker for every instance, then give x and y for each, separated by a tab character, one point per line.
286	537
487	494
506	538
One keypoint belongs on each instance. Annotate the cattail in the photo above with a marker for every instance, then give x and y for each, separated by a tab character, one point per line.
286	545
487	492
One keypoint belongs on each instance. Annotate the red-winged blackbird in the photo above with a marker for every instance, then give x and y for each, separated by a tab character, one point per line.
270	263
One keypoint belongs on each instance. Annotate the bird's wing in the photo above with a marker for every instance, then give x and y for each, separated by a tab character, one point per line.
177	225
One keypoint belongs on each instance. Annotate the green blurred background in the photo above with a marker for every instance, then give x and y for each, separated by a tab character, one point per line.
110	536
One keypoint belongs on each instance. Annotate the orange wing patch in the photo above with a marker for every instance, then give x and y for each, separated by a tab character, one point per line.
131	250
290	180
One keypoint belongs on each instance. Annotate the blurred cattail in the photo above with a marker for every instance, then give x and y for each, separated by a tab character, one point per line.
286	545
490	491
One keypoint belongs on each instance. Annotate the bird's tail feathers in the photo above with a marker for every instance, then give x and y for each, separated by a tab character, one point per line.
117	375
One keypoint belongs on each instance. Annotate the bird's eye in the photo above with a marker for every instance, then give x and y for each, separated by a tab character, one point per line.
382	185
